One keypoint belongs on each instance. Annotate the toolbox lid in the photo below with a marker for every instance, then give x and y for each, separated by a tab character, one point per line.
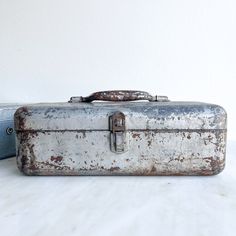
83	116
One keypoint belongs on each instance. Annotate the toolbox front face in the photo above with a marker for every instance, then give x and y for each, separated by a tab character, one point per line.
7	133
121	138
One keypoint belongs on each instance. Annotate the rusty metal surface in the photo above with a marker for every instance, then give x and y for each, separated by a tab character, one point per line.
172	138
118	95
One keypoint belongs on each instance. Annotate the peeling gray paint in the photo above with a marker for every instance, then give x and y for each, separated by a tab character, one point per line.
163	138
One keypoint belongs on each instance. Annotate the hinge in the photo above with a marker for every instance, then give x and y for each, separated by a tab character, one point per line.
118	132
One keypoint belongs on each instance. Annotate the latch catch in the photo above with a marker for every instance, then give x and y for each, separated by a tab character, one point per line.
118	132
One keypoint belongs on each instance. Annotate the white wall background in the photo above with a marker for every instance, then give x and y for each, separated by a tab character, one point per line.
51	50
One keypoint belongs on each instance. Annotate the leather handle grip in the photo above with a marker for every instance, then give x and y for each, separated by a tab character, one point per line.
119	96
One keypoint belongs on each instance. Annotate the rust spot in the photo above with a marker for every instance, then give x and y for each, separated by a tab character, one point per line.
136	135
189	136
56	159
33	167
215	164
46	164
154	169
149	143
24	161
114	168
181	159
20	117
84	134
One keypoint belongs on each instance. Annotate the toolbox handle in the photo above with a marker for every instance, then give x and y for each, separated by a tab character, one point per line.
119	96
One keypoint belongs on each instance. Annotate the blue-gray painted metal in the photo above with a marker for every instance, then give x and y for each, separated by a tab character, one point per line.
7	133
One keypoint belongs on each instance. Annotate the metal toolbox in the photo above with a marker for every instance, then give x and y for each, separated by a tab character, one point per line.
7	133
121	136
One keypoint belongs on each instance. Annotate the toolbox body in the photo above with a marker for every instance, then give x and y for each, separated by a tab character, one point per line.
121	136
7	133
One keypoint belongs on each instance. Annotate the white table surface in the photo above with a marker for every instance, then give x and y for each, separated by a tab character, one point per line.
31	206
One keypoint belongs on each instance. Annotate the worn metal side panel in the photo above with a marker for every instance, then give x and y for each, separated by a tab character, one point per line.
150	153
7	133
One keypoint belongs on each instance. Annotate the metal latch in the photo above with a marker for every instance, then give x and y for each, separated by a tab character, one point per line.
118	132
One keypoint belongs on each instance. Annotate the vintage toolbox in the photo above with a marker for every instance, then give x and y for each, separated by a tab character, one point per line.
121	136
7	133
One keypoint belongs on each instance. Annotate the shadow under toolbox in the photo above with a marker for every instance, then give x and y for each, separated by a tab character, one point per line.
121	137
7	133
